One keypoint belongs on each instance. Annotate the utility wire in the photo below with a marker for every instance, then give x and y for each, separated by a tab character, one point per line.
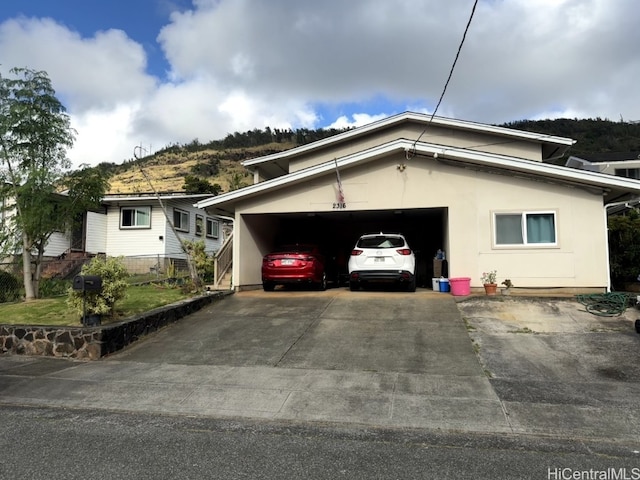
453	66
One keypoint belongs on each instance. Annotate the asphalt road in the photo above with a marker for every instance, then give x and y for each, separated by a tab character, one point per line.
44	443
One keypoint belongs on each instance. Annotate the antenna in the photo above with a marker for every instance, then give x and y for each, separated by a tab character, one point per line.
139	152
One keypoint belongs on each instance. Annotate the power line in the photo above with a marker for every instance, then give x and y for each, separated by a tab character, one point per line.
453	66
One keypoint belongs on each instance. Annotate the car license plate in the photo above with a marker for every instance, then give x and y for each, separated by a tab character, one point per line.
378	259
286	261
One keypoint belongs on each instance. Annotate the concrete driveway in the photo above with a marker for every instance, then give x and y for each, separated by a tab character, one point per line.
558	369
384	359
332	330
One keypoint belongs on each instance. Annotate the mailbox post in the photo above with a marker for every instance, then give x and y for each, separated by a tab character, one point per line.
88	283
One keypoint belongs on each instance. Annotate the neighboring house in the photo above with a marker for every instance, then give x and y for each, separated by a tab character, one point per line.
622	164
483	194
134	225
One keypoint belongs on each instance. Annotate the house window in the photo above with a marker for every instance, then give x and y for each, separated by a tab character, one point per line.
628	172
212	228
181	220
199	225
525	228
135	217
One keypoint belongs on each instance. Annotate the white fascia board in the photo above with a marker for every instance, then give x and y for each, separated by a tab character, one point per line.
586	177
418	117
410	148
126	198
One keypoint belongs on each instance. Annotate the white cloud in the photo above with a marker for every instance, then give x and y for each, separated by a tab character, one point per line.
358	120
236	65
103	136
97	72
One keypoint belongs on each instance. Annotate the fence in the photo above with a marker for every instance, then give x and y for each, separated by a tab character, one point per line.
57	273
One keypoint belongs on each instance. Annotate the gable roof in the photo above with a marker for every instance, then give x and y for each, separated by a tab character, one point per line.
552	146
462	157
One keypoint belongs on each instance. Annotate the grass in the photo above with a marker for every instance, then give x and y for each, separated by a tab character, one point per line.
55	312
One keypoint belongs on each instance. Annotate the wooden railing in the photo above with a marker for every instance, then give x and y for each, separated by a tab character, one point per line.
223	260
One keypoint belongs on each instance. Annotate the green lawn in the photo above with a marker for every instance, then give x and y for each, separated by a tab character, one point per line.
54	311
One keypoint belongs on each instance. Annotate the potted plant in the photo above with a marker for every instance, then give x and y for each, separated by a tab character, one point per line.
489	282
507	287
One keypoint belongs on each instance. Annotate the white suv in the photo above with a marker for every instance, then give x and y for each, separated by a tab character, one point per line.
382	257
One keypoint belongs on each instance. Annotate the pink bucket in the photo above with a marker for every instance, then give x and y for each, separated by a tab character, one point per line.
460	286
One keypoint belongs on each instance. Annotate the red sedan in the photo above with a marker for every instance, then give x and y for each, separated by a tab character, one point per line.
294	264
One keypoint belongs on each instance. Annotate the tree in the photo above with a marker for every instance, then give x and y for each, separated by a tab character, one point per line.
193	184
624	247
35	133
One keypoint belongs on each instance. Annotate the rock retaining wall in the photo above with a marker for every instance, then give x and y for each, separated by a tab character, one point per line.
91	343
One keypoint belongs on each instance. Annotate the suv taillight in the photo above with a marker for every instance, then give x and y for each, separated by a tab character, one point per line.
355	252
404	251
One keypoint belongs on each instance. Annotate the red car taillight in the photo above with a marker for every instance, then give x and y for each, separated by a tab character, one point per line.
404	251
355	253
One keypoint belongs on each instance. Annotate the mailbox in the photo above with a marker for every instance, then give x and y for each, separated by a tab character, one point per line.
87	283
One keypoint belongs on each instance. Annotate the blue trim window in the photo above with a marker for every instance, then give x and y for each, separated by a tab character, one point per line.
525	228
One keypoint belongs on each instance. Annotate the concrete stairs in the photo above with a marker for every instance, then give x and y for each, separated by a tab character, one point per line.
65	266
224	284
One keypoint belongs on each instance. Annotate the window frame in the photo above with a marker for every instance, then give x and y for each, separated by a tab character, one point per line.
182	214
199	225
633	173
135	208
525	234
212	221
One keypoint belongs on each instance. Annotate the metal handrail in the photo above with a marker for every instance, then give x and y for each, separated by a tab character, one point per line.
223	260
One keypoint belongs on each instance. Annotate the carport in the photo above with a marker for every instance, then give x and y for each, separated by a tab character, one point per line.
337	232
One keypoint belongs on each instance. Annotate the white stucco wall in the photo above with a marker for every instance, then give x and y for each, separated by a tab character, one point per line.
433	134
579	259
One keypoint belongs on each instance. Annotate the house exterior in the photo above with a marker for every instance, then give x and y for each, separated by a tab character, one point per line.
135	227
622	164
483	194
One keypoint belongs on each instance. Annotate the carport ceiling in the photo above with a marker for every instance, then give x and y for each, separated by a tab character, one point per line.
342	229
366	216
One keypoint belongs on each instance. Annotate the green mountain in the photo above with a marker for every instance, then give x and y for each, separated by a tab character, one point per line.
214	167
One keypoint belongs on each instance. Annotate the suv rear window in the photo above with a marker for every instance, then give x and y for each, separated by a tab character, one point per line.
380	241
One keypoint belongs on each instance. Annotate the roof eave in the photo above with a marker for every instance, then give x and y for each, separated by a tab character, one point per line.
589	179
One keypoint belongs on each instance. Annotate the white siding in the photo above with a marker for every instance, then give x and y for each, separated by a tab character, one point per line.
135	241
96	237
159	239
173	244
58	244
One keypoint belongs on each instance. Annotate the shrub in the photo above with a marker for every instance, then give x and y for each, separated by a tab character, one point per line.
114	286
202	261
52	287
9	287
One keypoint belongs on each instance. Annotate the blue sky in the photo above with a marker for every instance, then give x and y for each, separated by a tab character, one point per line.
157	72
